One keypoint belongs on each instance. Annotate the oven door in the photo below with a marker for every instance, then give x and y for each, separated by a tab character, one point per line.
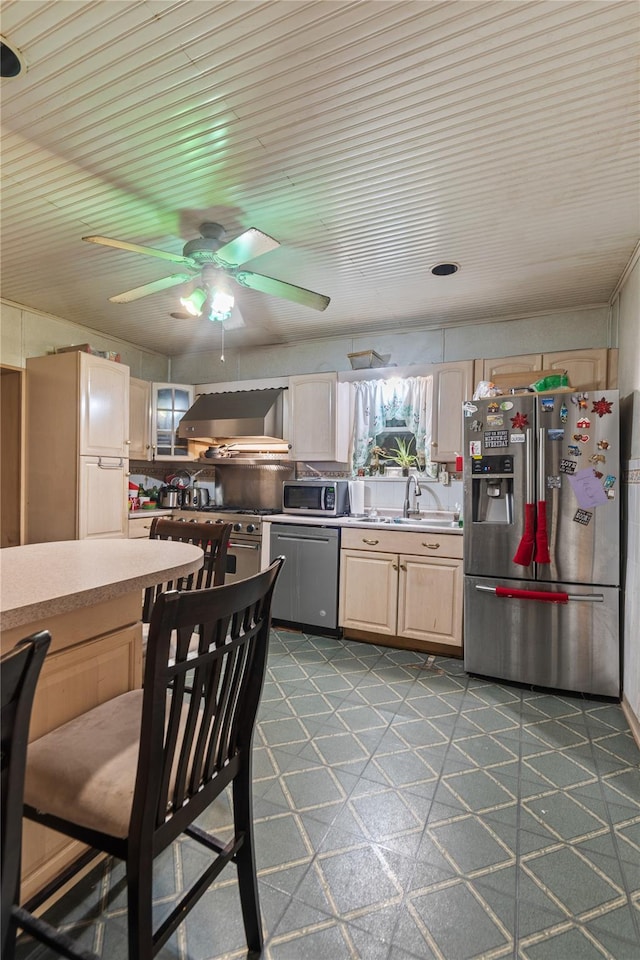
243	558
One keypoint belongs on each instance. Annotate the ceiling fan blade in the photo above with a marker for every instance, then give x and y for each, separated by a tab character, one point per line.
136	248
152	287
278	288
249	245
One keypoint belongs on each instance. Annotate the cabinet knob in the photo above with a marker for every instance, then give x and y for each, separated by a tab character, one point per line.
431	546
403	566
128	443
394	566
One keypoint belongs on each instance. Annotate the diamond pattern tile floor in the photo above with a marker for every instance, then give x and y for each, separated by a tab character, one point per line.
406	811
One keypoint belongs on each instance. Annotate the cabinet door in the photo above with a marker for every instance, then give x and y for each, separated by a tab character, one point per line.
368	591
452	385
170	402
587	369
319	417
430	600
102	501
104	407
139	419
523	364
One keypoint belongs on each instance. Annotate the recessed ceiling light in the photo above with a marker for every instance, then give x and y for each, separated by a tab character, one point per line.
445	269
11	63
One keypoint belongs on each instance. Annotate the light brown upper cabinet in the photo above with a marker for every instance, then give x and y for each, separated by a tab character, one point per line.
140	419
594	369
319	417
452	385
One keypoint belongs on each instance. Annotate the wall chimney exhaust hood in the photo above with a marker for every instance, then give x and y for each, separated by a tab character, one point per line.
257	414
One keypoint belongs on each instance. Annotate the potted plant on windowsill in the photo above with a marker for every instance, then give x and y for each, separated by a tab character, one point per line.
402	455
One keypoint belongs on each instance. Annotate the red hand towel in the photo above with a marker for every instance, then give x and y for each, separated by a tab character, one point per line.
545	595
542	544
524	553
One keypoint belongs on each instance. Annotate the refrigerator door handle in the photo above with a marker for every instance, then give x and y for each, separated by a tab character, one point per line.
547	596
529	468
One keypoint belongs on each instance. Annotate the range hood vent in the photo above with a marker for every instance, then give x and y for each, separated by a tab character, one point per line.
229	416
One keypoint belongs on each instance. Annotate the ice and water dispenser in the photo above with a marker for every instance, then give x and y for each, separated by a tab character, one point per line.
492	489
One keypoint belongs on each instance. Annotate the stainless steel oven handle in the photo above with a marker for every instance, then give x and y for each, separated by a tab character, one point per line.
244	546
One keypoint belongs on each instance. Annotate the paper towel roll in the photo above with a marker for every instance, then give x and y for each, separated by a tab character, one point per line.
356	496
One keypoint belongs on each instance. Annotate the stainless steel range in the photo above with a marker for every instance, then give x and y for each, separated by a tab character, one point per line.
243	556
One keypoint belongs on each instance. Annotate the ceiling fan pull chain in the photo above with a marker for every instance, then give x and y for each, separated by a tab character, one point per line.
222	343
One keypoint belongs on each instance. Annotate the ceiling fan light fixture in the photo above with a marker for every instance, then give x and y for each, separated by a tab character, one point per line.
221	305
194	302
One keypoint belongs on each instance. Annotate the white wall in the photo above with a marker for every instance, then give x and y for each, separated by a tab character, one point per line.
626	309
28	333
539	333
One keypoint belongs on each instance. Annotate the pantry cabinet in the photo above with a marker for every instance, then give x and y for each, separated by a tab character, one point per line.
587	369
319	417
453	383
77	447
406	587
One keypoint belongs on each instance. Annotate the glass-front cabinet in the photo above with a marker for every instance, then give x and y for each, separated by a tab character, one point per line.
170	402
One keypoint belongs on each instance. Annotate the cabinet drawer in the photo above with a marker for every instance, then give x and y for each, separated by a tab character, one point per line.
140	527
418	543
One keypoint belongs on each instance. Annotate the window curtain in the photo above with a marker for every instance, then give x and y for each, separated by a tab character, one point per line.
378	401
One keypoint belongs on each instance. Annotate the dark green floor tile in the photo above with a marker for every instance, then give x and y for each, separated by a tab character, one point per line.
442	912
571	944
471	845
571	880
560	813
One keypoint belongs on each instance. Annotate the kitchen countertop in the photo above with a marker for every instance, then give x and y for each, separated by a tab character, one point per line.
366	524
45	579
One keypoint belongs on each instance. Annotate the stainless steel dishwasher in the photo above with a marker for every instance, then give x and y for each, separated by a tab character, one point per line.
307	588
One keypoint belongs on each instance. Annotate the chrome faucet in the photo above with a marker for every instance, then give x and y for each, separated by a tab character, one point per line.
418	492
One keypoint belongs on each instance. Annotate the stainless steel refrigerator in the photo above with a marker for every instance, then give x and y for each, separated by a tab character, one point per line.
542	540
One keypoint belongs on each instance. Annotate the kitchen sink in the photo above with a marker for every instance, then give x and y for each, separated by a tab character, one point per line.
415	522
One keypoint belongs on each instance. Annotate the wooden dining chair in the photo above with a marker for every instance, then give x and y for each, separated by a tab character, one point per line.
213	538
19	672
131	775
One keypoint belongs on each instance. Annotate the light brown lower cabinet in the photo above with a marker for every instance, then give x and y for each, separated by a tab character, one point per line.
403	589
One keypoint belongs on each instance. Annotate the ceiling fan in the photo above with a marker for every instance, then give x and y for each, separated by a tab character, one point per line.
215	262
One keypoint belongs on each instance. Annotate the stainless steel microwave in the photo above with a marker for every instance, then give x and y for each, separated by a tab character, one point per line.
316	498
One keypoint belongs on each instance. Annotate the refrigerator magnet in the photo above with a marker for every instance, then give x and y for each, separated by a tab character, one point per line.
564	413
495	420
475	448
520	421
547	404
496	438
581	437
554	483
597	458
598	474
609	481
517	437
567	466
556	433
581	400
611	494
603	444
574	450
583	423
583	517
469	409
506	405
602	407
476	426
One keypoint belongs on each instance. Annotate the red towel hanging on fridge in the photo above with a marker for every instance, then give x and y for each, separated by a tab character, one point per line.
542	543
524	553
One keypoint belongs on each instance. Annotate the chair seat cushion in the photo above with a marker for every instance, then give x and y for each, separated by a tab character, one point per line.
85	770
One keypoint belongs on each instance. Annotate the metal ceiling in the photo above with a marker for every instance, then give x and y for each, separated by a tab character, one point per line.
373	139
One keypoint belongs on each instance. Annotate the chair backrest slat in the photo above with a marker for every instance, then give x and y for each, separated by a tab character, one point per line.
199	708
212	538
